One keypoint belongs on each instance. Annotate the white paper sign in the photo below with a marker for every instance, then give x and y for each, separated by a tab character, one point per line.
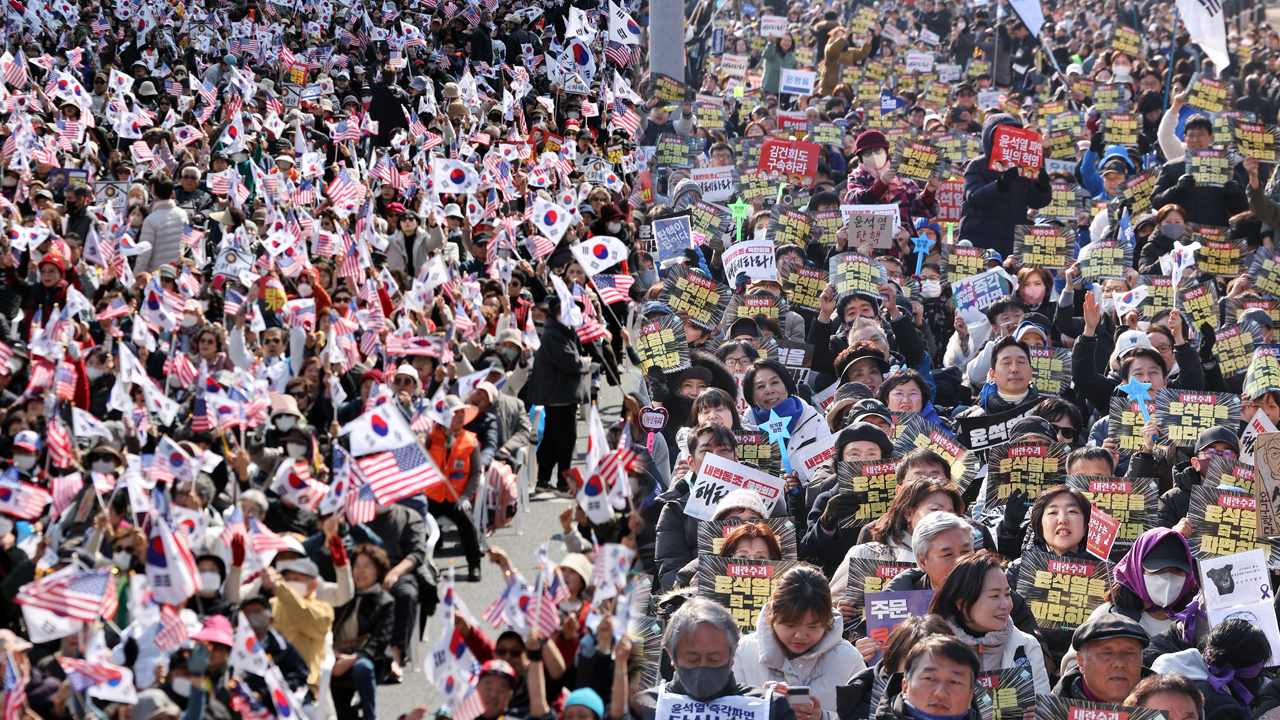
773	26
887	209
716	183
813	455
929	37
719	477
988	99
1239	579
948	73
754	257
798	82
1261	615
672	706
919	61
1249	438
734	65
823	400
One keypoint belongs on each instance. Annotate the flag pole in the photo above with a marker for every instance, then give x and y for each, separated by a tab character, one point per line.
1168	69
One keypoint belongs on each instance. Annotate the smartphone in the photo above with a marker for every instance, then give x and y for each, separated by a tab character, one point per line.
799	695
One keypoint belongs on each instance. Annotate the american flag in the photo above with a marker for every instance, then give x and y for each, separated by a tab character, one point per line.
341	189
16	74
20	499
64	489
78	594
361	504
59	443
84	675
101	26
220	183
261	538
507	601
231	302
613	288
173	632
209	92
15	691
142	151
191	235
302	315
344	130
274	105
399	473
173	88
234	527
178	364
544	614
6	353
304	194
68	133
626	118
65	380
473	17
246	703
591	330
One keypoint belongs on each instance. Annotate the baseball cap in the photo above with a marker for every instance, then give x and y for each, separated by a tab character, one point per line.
27	440
1169	551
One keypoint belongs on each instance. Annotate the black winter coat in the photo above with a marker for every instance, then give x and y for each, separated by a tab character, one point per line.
387	109
561	368
375	615
481	45
1204	205
988	216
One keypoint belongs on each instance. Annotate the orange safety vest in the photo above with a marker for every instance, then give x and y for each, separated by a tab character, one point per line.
456	468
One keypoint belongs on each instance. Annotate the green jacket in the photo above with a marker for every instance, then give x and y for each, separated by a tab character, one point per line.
773	64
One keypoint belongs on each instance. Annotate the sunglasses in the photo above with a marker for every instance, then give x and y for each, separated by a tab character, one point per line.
507	653
1066	433
273	341
1210	452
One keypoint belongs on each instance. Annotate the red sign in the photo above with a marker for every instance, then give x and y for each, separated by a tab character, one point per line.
792	160
950	194
1068	568
1242	503
1102	532
747	571
1015	146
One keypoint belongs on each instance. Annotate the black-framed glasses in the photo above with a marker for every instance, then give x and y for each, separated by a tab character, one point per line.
1066	433
273	340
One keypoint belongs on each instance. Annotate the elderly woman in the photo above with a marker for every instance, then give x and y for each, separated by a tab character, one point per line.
362	635
768	388
700	638
1226	670
210	347
798	641
907	391
1153	581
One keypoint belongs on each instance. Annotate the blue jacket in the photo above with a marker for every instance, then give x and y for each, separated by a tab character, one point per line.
1089	169
987	216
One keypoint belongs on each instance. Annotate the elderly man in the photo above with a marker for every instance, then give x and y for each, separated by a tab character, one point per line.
700	639
938	681
1109	656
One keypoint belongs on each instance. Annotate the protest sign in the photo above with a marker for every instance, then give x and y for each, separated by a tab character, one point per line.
1238	306
1062	146
981	433
1218	253
718	477
756	448
716	183
887	610
824	224
1064	203
753	257
958	147
1105	259
1132	502
1160	294
668	89
868	575
661	343
814	455
1254	140
1016	147
690	290
1051	369
1043	246
709	220
1264	273
1184	414
711	535
1005	694
1062	591
230	263
1230	475
872	482
796	82
1267	486
1198	303
1210	168
1121	129
1233	347
734	65
1024	469
1101	534
757	303
918	160
674	151
709	115
790	160
773	26
851	272
1125	424
911	431
962	262
974	294
1225	522
870	229
1137	192
1208	95
1263	375
796	357
804	285
1053	707
917	61
741	586
672	236
1108	97
1239	579
672	706
1261	615
787	226
950	196
1126	40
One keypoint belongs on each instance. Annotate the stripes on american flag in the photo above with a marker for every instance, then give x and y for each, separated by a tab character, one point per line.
177	364
613	288
399	473
591	330
65	380
78	594
64	489
261	538
173	632
361	504
84	674
15	690
59	443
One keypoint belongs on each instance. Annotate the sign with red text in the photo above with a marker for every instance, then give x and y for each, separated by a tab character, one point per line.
718	477
1016	147
790	160
1103	530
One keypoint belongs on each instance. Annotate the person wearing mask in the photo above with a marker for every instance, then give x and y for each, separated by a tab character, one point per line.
1152	582
996	202
876	183
257	611
1171	226
210	600
301	618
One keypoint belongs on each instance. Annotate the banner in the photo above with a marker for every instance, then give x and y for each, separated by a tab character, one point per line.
981	433
701	298
1183	414
1131	501
711	535
718	477
1062	592
742	587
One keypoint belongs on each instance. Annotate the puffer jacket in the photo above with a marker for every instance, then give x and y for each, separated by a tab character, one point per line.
837	53
913	201
823	668
858	698
561	369
987	216
808	430
163	229
1021	649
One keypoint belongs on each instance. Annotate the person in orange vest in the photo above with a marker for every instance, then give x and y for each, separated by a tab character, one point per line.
457	453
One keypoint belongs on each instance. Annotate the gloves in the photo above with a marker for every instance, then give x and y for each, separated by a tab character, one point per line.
338	550
1096	143
1231	187
237	551
1006	180
839	508
1014	513
465	505
1206	344
1042	181
1186	182
1144	144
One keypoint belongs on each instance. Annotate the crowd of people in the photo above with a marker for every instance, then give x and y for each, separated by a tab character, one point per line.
943	334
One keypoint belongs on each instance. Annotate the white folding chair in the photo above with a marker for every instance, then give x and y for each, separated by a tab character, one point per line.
323	709
522	482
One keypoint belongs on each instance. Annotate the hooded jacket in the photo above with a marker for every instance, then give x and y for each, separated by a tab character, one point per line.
1089	165
824	667
1218	704
667	391
987	216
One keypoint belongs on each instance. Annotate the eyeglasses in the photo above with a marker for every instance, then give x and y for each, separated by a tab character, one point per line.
273	341
507	652
99	82
404	381
208	341
741	362
907	396
1210	452
300	397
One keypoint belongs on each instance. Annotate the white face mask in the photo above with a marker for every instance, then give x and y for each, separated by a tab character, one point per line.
122	560
1164	589
24	462
1108	305
295	449
104	466
285	423
94	373
189	321
298	587
1123	73
211	582
931	288
181	686
876	159
615	227
304	290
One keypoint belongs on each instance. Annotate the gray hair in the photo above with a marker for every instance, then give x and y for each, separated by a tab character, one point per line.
933	525
693	613
257	497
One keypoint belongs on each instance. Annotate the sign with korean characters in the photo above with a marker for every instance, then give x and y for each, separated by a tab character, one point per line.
734	65
755	447
711	535
1065	200
1137	191
872	482
1266	489
977	67
1254	140
1225	522
756	303
804	285
1208	95
1210	168
814	455
1108	97
887	610
937	94
1132	502
753	257
1062	591
1016	147
700	297
1121	129
1264	273
919	160
962	262
870	229
973	295
716	183
1218	253
958	147
871	576
1023	468
710	115
661	343
1238	306
674	151
1198	303
825	133
1183	415
1231	474
773	26
911	431
668	89
1263	375
1062	144
672	236
1006	693
981	433
718	477
1043	246
824	226
1160	294
1126	40
1051	369
917	61
787	226
741	586
708	219
673	706
790	160
1125	423
796	82
851	272
1233	348
1052	707
950	196
1105	259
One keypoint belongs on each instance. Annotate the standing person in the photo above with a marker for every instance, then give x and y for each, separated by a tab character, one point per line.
779	54
561	381
997	202
388	107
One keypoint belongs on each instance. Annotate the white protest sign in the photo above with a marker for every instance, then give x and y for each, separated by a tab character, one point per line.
595	169
948	73
823	400
1237	579
716	183
773	26
672	706
754	257
1261	615
814	454
719	477
929	37
1249	438
734	65
988	99
797	82
919	61
886	209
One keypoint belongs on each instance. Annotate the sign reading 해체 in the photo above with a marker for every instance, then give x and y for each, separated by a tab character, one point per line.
718	477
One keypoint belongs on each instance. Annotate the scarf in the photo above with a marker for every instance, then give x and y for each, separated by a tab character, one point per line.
987	643
919	714
790	408
1128	571
1220	677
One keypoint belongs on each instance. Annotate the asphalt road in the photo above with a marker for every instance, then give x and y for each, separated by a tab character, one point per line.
540	523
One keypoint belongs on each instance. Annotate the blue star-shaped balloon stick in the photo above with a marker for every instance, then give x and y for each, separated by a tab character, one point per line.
922	245
778	431
1137	392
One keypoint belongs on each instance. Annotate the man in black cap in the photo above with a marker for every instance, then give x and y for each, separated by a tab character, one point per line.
1109	656
1216	441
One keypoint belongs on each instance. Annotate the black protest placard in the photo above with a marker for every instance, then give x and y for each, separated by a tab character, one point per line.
1022	468
1218	253
674	151
1053	707
871	576
1225	522
1231	474
1264	273
709	220
757	303
1051	369
789	226
803	285
757	449
961	262
1108	97
1160	294
1062	591
1065	201
919	160
1131	501
1238	306
1183	414
711	534
668	89
1126	40
1233	348
911	431
691	290
1210	168
986	431
1198	302
1125	423
824	226
741	586
958	147
1256	140
1137	192
1005	694
852	272
1208	95
662	344
1105	259
753	185
1043	246
825	133
1121	129
1263	375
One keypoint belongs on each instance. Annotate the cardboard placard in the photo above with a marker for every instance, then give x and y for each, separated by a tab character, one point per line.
959	263
1017	147
1126	40
1051	369
1238	306
1052	707
1184	414
874	229
708	219
672	236
1263	375
803	285
1233	348
1208	95
1005	694
669	89
1062	592
1160	294
1234	580
911	431
887	610
788	226
716	183
1121	129
661	343
796	82
1132	502
1210	168
919	160
872	482
987	431
1230	475
1137	192
950	196
1065	202
1264	273
1225	522
711	535
1105	259
1256	140
700	297
773	26
871	576
851	272
757	303
1267	485
790	160
741	586
1198	303
1125	424
755	447
1108	97
753	257
973	295
674	151
1043	246
824	226
1025	468
825	133
718	477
